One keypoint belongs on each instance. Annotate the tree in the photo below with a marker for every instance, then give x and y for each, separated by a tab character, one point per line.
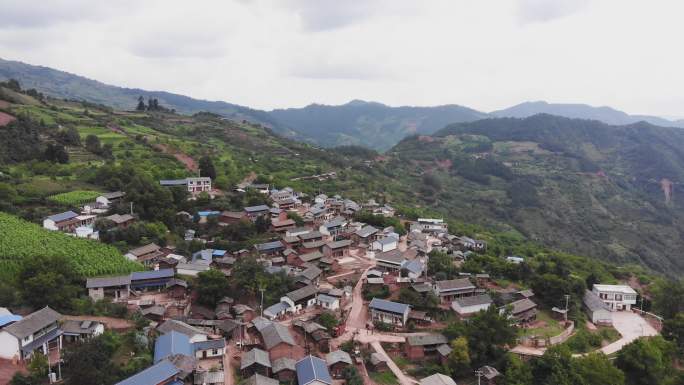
328	320
48	281
459	358
89	362
71	137
20	378
56	153
352	376
596	369
517	372
673	330
646	361
299	221
668	298
206	167
212	285
39	366
141	104
488	332
262	224
92	144
152	201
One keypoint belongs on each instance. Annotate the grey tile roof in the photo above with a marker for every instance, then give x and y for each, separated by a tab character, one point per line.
308	257
455	284
593	302
180	327
338	356
311	273
276	334
304	292
522	305
142	250
444	350
376	358
437	379
217	377
310	235
366	231
255	356
78	327
33	322
122	280
209	344
339	244
474	300
258	379
283	363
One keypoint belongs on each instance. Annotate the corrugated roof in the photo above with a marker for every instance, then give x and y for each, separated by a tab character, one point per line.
155	374
209	344
593	302
474	300
63	216
171	344
310	369
33	322
275	334
338	356
444	350
152	274
256	209
437	379
426	339
122	280
455	284
179	327
388	306
283	363
269	246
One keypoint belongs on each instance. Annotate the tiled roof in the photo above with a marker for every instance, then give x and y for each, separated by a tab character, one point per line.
455	284
338	356
108	281
255	356
426	339
474	300
33	322
275	334
155	374
388	306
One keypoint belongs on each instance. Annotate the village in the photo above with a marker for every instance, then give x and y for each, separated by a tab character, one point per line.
357	312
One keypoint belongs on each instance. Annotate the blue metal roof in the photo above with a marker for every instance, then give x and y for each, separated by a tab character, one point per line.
388	306
219	253
208	213
152	274
7	319
155	374
171	344
63	216
310	369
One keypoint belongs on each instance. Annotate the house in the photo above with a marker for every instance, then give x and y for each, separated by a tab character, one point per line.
255	361
473	244
598	311
617	297
151	279
172	344
6	317
276	310
81	330
254	212
282	225
209	377
418	346
38	331
121	221
391	260
161	373
114	288
310	276
490	374
194	334
389	312
451	289
258	379
466	306
193	185
191	269
312	371
385	244
232	217
366	234
443	351
523	310
301	298
414	269
337	361
277	340
243	312
311	236
328	302
68	222
312	257
337	249
429	225
147	254
333	227
437	379
297	231
154	313
515	259
176	288
269	248
108	199
378	362
284	369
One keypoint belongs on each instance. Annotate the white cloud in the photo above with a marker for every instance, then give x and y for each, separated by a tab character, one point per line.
280	53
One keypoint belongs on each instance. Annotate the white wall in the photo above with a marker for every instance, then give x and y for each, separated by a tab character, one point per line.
9	346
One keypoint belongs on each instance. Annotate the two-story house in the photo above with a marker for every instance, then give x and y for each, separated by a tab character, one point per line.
393	313
38	331
617	297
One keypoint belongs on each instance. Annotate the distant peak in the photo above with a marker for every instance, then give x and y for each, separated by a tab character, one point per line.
359	102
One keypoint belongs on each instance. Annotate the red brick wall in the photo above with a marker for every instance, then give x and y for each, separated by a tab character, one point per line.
414	352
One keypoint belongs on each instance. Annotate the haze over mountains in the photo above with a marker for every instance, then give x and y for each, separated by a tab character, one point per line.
369	124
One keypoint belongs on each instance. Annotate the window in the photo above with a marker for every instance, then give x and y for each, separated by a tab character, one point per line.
214	352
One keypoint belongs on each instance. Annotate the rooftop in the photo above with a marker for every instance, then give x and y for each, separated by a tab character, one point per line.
255	356
33	322
388	306
474	300
155	374
426	339
624	289
310	369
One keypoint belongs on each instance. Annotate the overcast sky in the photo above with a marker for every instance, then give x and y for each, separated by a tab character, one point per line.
485	54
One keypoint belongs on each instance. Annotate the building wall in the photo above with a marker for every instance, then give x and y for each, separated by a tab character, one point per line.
9	346
281	350
49	224
470	309
414	353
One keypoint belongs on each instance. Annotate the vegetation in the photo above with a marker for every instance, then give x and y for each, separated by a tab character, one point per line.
74	198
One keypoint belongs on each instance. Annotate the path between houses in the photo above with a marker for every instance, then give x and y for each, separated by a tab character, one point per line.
403	379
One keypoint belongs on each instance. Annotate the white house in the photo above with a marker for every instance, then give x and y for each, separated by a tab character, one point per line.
617	297
328	302
301	298
393	313
67	221
429	225
385	244
597	310
38	331
470	305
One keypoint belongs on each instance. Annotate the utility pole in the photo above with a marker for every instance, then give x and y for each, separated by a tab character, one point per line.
478	373
261	289
567	299
131	208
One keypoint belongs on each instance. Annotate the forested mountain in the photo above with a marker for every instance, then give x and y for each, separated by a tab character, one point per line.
582	111
609	191
370	124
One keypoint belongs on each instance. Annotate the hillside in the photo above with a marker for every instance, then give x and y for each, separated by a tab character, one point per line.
370	124
607	191
606	115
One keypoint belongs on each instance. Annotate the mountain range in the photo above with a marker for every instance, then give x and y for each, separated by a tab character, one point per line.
370	124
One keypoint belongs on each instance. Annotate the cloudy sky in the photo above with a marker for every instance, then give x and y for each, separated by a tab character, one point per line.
283	53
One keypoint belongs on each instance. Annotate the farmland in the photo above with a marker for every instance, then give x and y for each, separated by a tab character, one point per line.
76	197
21	239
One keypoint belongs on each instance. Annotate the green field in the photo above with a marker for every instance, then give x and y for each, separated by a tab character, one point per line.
73	198
21	240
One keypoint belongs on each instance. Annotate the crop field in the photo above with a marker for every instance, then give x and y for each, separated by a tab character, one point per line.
73	198
21	239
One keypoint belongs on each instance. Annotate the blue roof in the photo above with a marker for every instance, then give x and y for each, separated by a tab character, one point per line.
171	344
219	253
251	209
208	213
205	254
63	216
269	246
7	319
388	306
155	374
310	369
414	266
152	274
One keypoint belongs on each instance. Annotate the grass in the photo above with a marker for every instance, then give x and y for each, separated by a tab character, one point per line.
386	378
76	197
552	327
401	362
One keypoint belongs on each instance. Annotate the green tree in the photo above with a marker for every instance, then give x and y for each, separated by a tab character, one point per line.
48	281
488	333
328	320
673	330
56	153
141	104
39	367
517	372
206	167
668	298
596	369
89	362
92	144
459	359
646	361
211	286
